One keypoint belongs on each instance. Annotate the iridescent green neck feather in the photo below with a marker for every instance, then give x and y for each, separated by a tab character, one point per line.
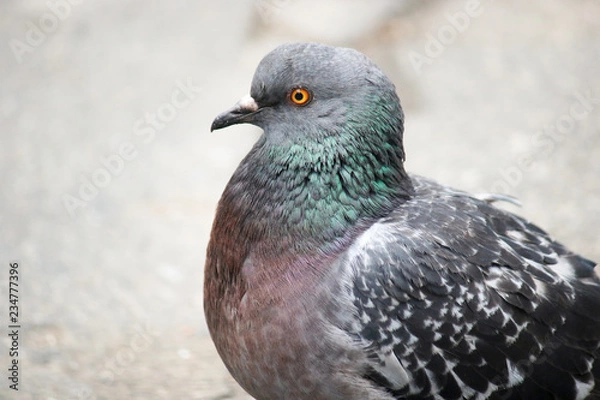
314	189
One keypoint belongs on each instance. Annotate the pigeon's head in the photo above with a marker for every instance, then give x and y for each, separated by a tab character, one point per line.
310	90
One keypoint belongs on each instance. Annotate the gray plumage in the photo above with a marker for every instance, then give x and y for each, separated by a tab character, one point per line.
333	274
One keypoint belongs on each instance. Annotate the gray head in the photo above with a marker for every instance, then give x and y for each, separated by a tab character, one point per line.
315	90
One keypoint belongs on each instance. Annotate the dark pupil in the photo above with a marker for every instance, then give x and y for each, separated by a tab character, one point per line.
299	96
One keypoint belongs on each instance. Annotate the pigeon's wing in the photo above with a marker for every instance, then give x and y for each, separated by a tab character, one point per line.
458	299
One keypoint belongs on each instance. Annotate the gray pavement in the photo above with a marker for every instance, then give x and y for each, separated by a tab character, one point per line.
110	176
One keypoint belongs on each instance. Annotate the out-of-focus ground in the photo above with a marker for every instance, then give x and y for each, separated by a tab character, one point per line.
108	211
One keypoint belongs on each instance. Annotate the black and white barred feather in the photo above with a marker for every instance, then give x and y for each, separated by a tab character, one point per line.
457	299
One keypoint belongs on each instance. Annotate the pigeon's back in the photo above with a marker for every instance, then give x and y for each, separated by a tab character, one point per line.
459	299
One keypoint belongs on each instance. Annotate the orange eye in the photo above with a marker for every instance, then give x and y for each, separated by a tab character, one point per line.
300	96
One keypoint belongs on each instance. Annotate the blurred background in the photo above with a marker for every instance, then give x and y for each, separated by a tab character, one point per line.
110	176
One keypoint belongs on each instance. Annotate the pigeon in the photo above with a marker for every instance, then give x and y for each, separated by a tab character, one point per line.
332	273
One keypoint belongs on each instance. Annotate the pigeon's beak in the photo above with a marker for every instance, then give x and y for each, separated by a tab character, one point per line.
241	112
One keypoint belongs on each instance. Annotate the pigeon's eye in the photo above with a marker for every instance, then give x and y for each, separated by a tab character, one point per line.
300	96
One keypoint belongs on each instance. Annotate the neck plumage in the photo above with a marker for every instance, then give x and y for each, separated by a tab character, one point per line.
304	200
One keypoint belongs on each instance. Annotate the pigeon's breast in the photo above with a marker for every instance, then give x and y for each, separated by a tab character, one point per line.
296	346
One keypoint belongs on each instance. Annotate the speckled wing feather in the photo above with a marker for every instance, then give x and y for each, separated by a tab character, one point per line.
458	299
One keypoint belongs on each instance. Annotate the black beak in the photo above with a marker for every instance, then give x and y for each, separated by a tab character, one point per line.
241	112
